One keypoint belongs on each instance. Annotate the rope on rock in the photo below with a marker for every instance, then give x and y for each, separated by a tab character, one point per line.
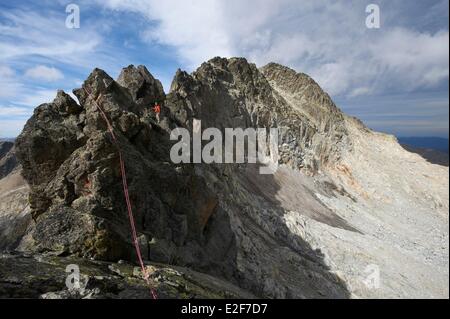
126	194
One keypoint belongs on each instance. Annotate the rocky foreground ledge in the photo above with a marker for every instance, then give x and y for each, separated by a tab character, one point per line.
37	276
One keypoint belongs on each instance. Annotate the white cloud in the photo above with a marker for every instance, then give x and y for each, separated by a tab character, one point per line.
11	127
9	89
6	71
14	117
45	73
26	33
360	91
9	86
195	28
420	59
36	98
326	39
8	111
12	89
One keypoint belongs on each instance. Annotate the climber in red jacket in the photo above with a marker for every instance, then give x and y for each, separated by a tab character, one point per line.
157	110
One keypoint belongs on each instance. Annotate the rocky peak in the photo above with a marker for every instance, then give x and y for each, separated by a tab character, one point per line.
65	104
100	86
235	93
143	87
307	96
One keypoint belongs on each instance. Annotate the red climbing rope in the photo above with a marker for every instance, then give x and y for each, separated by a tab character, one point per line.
127	196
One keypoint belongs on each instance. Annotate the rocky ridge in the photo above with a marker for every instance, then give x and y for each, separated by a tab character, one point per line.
276	236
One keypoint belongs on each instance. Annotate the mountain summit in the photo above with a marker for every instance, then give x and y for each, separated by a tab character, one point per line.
345	203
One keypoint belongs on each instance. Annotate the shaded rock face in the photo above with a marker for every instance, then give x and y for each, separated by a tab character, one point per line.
8	160
5	147
143	87
15	215
207	217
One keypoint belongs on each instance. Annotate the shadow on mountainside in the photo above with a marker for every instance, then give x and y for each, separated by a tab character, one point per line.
288	189
296	270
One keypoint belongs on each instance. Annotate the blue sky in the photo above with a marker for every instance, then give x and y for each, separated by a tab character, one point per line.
394	78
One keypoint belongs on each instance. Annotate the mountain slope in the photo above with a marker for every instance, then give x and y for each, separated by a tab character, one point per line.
344	198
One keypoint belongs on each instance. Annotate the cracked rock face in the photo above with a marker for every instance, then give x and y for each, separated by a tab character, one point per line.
268	234
73	169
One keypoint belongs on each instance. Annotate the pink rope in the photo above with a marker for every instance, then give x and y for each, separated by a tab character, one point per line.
127	198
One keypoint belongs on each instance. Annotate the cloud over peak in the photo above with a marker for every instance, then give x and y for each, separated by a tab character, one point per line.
328	40
45	73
